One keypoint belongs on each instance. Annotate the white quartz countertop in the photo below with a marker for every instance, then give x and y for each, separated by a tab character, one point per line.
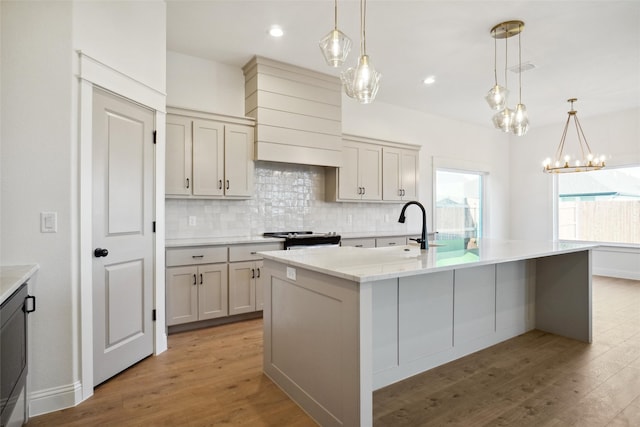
12	276
371	264
212	241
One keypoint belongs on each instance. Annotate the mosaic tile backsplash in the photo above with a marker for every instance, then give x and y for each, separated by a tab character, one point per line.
287	197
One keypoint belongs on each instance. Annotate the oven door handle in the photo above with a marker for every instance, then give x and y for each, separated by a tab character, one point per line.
29	304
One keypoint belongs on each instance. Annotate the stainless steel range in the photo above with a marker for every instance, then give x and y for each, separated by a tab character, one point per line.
305	239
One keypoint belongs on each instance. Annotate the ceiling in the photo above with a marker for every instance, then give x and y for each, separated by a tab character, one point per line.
589	50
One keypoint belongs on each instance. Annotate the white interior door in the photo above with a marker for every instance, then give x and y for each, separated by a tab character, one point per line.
123	185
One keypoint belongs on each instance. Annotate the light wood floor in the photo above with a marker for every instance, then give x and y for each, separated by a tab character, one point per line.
213	377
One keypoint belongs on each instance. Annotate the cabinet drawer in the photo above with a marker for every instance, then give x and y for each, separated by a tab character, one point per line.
249	252
201	255
359	243
390	241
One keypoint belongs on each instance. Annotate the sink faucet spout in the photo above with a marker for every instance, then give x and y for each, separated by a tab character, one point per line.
424	244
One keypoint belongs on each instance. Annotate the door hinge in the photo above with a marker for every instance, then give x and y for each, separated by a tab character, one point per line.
153	314
155	136
154	226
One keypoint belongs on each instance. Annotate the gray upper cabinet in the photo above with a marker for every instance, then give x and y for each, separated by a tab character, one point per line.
208	158
374	170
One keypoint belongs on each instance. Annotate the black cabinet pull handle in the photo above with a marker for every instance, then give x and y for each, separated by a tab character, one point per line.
100	252
258	276
227	184
194	280
219	184
253	252
187	182
197	256
253	273
29	308
364	190
201	279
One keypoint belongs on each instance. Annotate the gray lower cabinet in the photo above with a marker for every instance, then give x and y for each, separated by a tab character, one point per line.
210	282
196	293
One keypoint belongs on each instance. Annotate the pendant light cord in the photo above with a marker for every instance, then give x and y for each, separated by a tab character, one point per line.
363	12
495	58
506	55
335	13
519	65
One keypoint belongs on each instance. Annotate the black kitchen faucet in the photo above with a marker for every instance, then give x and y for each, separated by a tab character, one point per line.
424	244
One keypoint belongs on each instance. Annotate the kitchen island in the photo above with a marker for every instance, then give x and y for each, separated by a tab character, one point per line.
342	322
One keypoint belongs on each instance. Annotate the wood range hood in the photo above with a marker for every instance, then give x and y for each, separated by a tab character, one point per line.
298	113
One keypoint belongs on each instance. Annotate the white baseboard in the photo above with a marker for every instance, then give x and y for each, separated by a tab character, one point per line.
54	399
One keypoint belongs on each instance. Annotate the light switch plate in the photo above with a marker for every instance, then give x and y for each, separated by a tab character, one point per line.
291	273
192	220
48	222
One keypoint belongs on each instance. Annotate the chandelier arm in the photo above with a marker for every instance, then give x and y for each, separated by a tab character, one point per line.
577	126
564	136
581	136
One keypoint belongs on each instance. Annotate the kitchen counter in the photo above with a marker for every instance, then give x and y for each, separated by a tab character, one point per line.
214	241
12	276
342	322
373	264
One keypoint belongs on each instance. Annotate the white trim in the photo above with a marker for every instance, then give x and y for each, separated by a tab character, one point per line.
95	73
115	81
54	399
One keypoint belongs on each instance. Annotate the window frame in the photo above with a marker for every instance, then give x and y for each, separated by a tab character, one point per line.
484	177
556	214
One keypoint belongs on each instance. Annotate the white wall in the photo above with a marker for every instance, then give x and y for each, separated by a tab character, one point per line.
40	154
37	165
617	135
188	78
200	84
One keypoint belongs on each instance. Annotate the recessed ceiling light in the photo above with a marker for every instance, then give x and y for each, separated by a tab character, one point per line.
276	31
429	80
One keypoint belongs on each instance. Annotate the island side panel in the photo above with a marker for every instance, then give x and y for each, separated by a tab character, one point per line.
563	295
311	342
492	302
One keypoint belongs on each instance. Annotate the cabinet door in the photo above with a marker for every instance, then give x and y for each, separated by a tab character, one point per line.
242	289
391	187
208	158
370	171
238	160
348	182
182	295
259	286
409	167
178	180
212	291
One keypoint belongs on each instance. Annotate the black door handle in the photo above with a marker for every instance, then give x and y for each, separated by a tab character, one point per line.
99	252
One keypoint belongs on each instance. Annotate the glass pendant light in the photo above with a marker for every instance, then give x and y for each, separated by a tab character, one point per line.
507	120
362	82
335	46
502	119
520	122
497	96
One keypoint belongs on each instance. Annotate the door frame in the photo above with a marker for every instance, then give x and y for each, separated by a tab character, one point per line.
93	73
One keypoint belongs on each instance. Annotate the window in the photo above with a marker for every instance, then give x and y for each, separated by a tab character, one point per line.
459	204
600	206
